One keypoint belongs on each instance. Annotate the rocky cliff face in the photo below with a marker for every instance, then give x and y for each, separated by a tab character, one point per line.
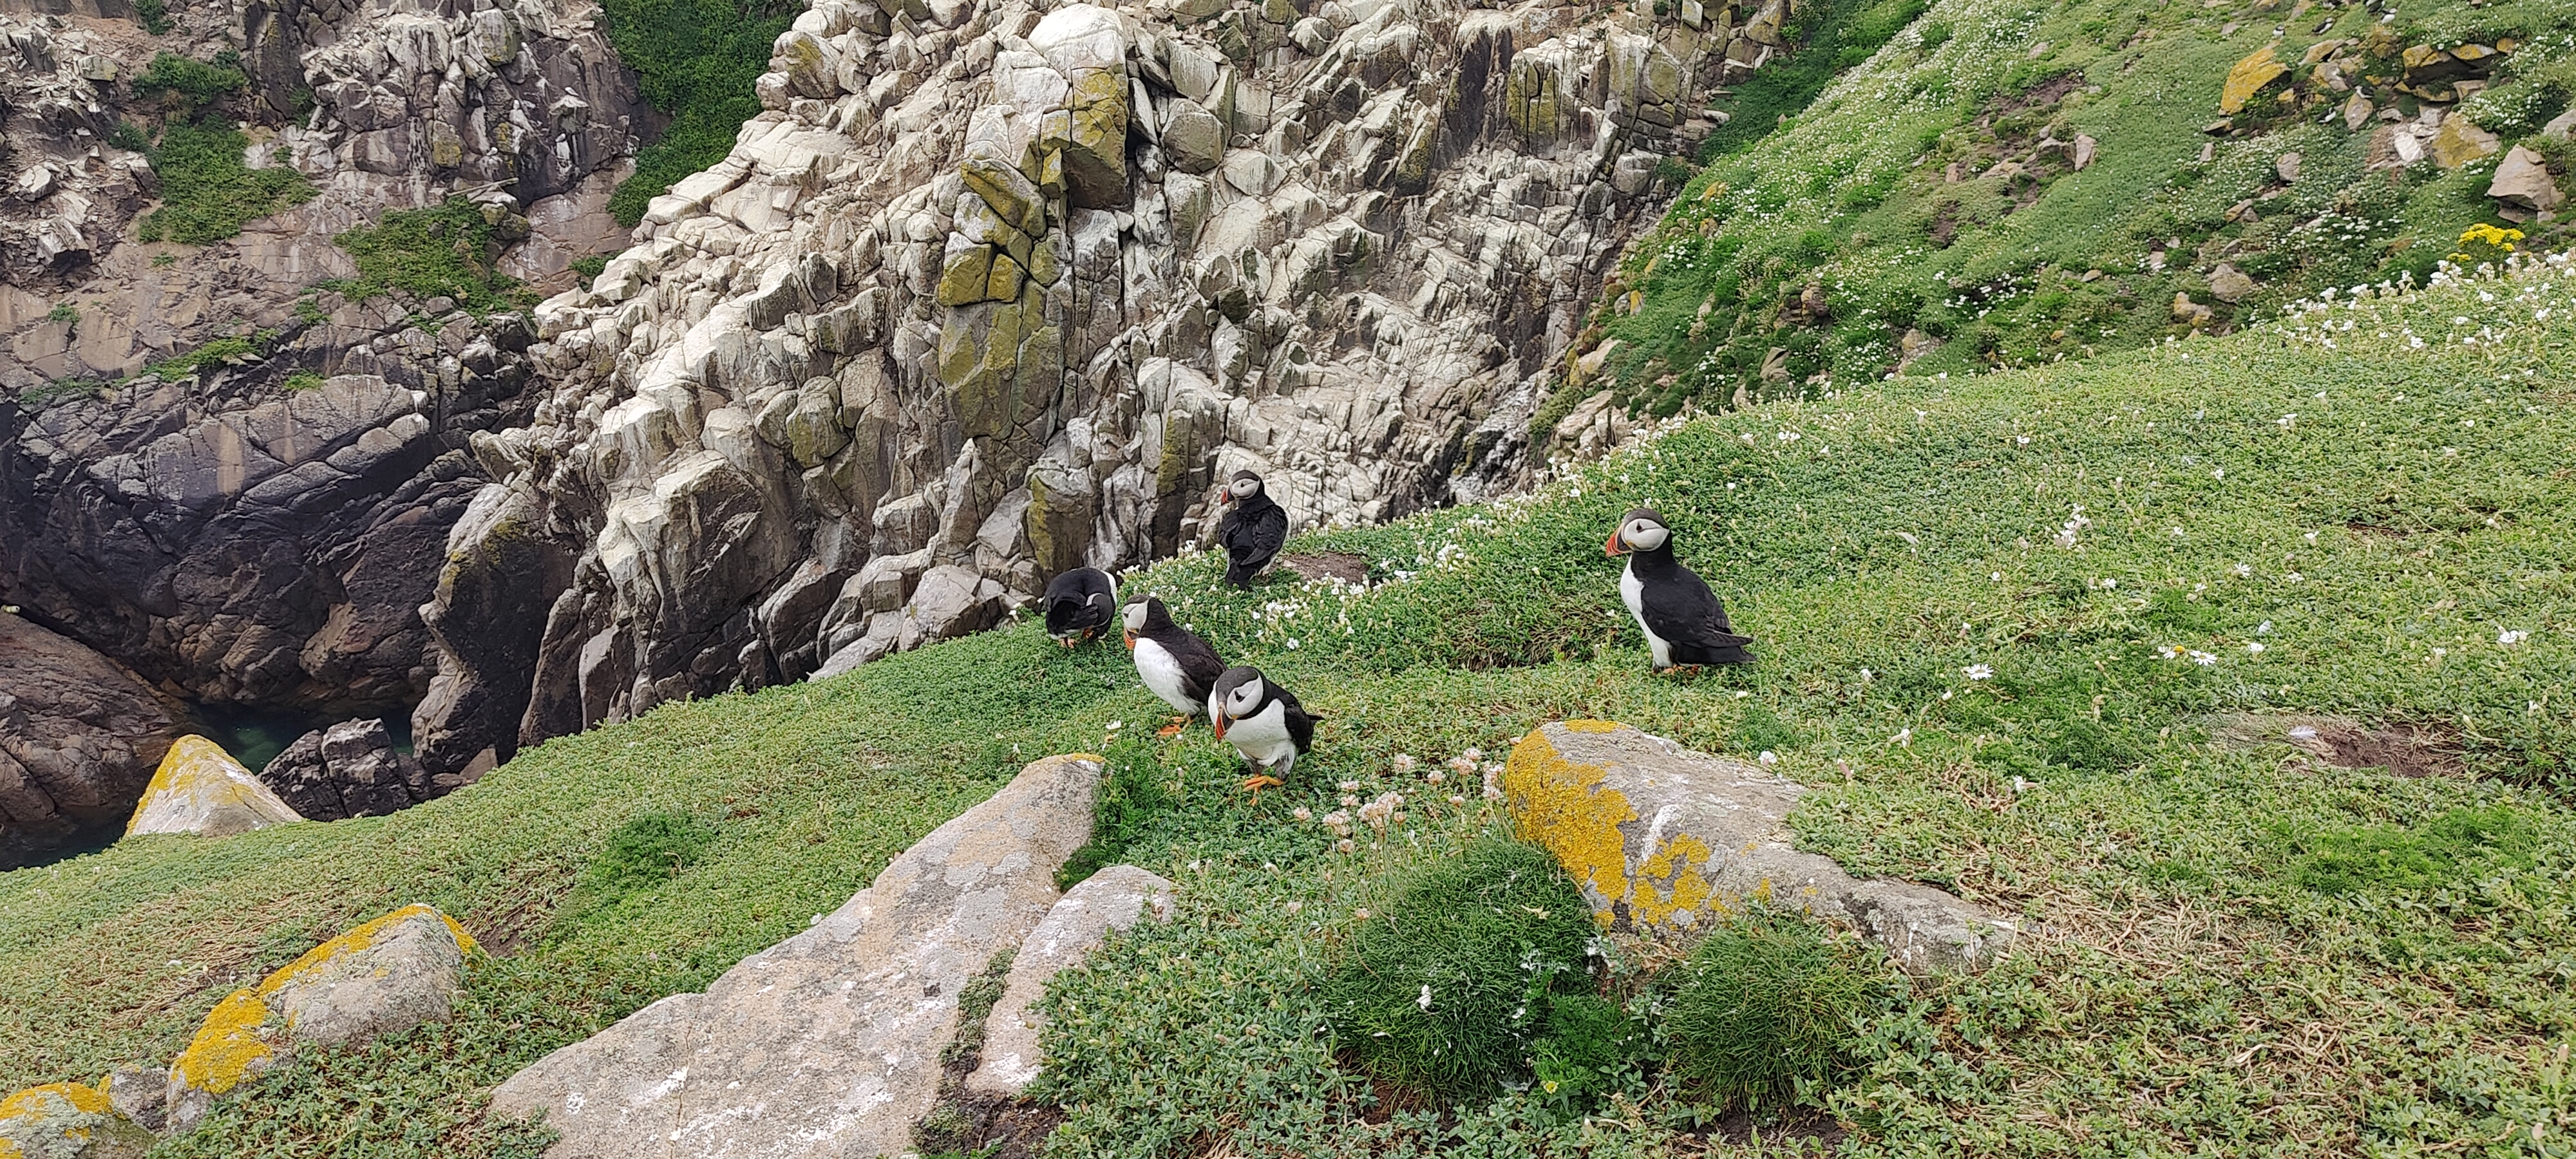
995	289
235	539
79	736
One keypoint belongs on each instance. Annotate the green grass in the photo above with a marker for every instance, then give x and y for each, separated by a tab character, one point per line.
695	61
1765	1010
447	250
2027	264
1444	986
219	352
207	193
2235	948
189	85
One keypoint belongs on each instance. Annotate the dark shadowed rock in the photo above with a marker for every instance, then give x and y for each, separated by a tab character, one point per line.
79	738
348	770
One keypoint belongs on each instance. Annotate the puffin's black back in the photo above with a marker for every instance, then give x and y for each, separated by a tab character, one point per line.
1252	530
1200	665
1080	600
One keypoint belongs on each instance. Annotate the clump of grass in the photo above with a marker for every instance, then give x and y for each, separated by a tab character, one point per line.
63	312
207	193
2455	848
215	353
1131	794
1446	987
588	267
447	250
649	849
695	61
305	380
1590	1042
1767	1008
191	85
153	15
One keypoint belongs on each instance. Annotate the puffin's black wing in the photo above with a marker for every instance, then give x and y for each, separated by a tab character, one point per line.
1252	538
1301	724
1200	666
1681	609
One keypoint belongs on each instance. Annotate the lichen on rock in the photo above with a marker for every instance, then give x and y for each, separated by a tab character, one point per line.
201	789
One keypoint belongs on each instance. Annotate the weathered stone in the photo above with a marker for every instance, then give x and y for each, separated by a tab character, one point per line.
2460	142
1094	147
2250	76
1660	837
383	977
201	789
349	770
2522	179
1192	136
2229	284
68	1121
1013	197
828	1043
1114	899
79	737
141	1094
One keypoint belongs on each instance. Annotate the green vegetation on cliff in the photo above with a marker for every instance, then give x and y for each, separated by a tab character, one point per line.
2045	638
447	250
695	60
2015	184
208	189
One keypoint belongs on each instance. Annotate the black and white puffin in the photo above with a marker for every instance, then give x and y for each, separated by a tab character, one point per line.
1262	721
1683	620
1253	529
1173	662
1080	603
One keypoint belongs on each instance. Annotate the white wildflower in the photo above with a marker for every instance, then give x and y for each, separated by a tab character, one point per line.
2512	636
1978	672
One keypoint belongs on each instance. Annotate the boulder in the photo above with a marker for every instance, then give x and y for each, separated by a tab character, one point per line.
391	974
68	1121
826	1044
2522	179
201	789
79	736
2229	284
1113	899
1192	137
2460	142
1663	838
2250	76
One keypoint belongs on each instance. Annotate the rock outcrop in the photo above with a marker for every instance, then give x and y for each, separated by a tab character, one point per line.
79	738
828	1043
68	1121
1112	900
1660	837
350	769
201	789
399	971
995	289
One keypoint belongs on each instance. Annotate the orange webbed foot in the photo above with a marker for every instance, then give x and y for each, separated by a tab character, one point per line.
1259	781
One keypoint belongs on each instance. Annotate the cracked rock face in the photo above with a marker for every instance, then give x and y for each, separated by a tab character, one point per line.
992	290
79	737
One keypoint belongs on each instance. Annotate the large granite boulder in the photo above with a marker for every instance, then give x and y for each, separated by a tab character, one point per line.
1112	900
201	789
828	1043
79	737
388	975
68	1121
1661	837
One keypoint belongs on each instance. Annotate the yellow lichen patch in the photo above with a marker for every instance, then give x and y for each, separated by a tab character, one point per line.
82	1097
1560	805
356	940
227	1045
1671	880
2248	78
1593	726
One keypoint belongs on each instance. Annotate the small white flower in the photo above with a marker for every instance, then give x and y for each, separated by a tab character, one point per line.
1978	672
1115	725
1904	736
2241	571
1768	757
2108	583
1403	762
1424	1001
2512	636
2254	648
1348	786
1997	577
1866	676
2021	440
2203	659
1473	754
1302	813
2294	577
2263	629
2220	473
1455	799
1789	436
1435	776
2312	537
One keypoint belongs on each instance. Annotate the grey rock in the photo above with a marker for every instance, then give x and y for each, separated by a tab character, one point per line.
826	1044
1699	836
1112	900
2522	179
79	737
2230	284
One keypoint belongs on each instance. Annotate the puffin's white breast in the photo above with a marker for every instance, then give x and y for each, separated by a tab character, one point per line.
1632	591
1263	736
1162	674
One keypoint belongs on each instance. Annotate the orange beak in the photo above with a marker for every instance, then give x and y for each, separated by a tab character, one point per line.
1612	546
1130	637
1217	722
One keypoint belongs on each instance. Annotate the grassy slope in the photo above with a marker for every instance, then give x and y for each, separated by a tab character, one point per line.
1853	195
2238	949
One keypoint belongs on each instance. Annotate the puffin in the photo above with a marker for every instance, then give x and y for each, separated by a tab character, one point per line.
1262	721
1173	662
1683	621
1253	529
1079	605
